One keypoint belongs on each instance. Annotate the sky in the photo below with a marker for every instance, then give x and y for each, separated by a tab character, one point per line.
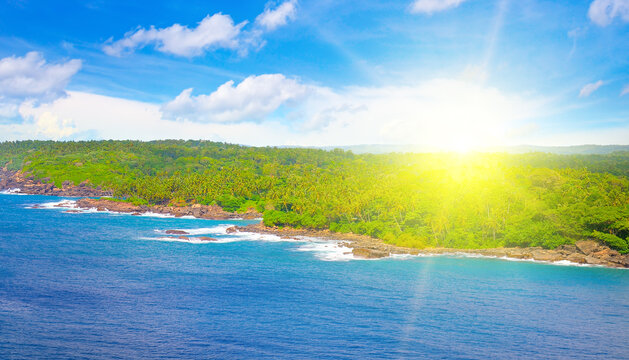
450	74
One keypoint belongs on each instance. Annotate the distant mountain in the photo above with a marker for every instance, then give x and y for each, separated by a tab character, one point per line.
520	149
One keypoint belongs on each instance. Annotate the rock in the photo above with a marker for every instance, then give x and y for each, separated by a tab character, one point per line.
577	258
197	210
183	238
231	230
136	214
519	253
205	238
594	261
365	253
587	247
546	255
176	232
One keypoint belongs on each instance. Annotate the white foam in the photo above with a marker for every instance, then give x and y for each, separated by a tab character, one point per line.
14	191
328	251
175	239
153	214
61	205
215	230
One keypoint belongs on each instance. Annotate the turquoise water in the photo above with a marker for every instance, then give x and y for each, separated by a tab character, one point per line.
102	286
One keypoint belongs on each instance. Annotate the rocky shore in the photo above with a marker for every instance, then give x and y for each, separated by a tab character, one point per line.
582	252
212	212
28	185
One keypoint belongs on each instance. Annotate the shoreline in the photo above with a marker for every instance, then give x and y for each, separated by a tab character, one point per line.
584	252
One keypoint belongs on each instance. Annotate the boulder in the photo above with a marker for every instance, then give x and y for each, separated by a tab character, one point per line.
594	261
577	258
183	238
205	238
587	247
546	255
366	253
197	210
519	254
176	232
231	230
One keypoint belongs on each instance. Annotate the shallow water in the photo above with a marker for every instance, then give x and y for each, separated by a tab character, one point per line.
100	286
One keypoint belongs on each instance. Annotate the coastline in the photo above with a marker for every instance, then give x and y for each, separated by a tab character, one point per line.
584	252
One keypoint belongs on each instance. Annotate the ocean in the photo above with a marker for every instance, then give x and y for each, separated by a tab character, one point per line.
97	285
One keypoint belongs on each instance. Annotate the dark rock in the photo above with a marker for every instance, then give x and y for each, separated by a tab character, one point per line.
183	238
176	232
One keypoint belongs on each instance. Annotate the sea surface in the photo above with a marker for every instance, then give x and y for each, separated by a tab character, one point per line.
97	285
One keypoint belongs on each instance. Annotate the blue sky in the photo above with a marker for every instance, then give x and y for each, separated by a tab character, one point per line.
455	74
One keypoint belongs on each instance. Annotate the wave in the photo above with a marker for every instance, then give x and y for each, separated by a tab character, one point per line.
60	205
328	251
175	239
14	191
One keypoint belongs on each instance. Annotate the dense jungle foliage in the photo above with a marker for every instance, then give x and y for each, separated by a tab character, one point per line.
420	200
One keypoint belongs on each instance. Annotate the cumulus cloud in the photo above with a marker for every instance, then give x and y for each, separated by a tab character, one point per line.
433	6
251	100
216	31
275	110
603	12
31	78
51	127
588	89
273	18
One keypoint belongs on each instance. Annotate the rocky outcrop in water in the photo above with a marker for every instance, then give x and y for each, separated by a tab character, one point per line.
28	185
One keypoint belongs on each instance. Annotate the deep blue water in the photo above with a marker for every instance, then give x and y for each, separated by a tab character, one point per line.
99	286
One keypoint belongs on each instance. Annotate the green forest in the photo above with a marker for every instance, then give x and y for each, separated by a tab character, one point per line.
476	200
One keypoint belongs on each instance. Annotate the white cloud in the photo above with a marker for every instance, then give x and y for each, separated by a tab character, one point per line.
625	90
271	19
51	127
442	113
31	78
216	31
251	100
603	12
432	6
588	89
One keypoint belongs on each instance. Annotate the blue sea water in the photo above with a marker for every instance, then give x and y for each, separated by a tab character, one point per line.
104	286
